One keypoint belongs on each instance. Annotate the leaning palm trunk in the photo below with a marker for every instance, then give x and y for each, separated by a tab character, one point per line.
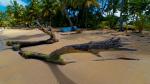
17	45
121	16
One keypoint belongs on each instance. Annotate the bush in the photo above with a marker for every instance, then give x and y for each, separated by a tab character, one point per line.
104	25
111	21
147	27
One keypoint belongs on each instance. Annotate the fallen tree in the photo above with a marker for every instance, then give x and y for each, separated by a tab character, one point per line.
92	47
43	57
17	45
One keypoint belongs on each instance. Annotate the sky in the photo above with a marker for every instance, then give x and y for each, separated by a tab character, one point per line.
4	3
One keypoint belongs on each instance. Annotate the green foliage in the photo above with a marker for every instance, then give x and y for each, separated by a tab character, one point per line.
82	13
4	20
112	21
140	23
104	25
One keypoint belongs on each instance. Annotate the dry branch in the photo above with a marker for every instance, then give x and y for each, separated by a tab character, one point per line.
50	32
93	47
17	45
43	57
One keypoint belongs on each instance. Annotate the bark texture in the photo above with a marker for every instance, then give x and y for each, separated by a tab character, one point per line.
17	45
92	47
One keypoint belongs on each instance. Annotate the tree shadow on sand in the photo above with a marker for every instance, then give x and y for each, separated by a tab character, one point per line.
60	76
26	37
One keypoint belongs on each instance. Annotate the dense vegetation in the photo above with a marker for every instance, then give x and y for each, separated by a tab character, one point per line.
82	13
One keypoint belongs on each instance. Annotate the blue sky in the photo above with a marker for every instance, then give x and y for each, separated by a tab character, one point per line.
4	3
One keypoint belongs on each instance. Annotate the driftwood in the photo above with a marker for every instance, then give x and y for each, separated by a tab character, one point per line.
17	45
48	32
92	47
43	57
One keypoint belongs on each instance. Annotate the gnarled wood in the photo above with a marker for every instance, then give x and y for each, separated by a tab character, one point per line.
93	47
50	32
17	45
43	57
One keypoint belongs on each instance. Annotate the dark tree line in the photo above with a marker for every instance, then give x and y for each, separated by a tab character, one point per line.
82	13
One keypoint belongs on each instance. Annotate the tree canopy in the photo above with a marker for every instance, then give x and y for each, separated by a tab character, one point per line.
82	13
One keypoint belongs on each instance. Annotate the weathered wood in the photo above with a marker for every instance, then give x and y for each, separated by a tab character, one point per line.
43	57
93	47
48	32
17	45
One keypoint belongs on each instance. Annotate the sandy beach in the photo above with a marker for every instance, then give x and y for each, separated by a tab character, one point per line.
16	70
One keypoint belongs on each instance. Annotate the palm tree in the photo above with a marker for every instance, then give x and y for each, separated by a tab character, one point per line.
83	7
137	9
33	11
49	9
16	12
121	16
86	5
79	5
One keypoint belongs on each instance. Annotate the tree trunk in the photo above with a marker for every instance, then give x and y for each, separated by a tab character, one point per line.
66	14
86	19
17	45
50	32
92	47
121	16
43	57
64	11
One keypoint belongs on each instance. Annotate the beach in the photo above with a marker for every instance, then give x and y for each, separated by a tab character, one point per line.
14	69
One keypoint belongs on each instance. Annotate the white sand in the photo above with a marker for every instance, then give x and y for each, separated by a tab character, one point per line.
16	70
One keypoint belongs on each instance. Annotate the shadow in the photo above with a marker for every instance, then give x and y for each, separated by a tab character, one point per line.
60	76
126	49
25	37
5	49
120	58
69	33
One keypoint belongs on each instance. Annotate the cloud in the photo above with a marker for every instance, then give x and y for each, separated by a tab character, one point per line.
4	3
8	2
